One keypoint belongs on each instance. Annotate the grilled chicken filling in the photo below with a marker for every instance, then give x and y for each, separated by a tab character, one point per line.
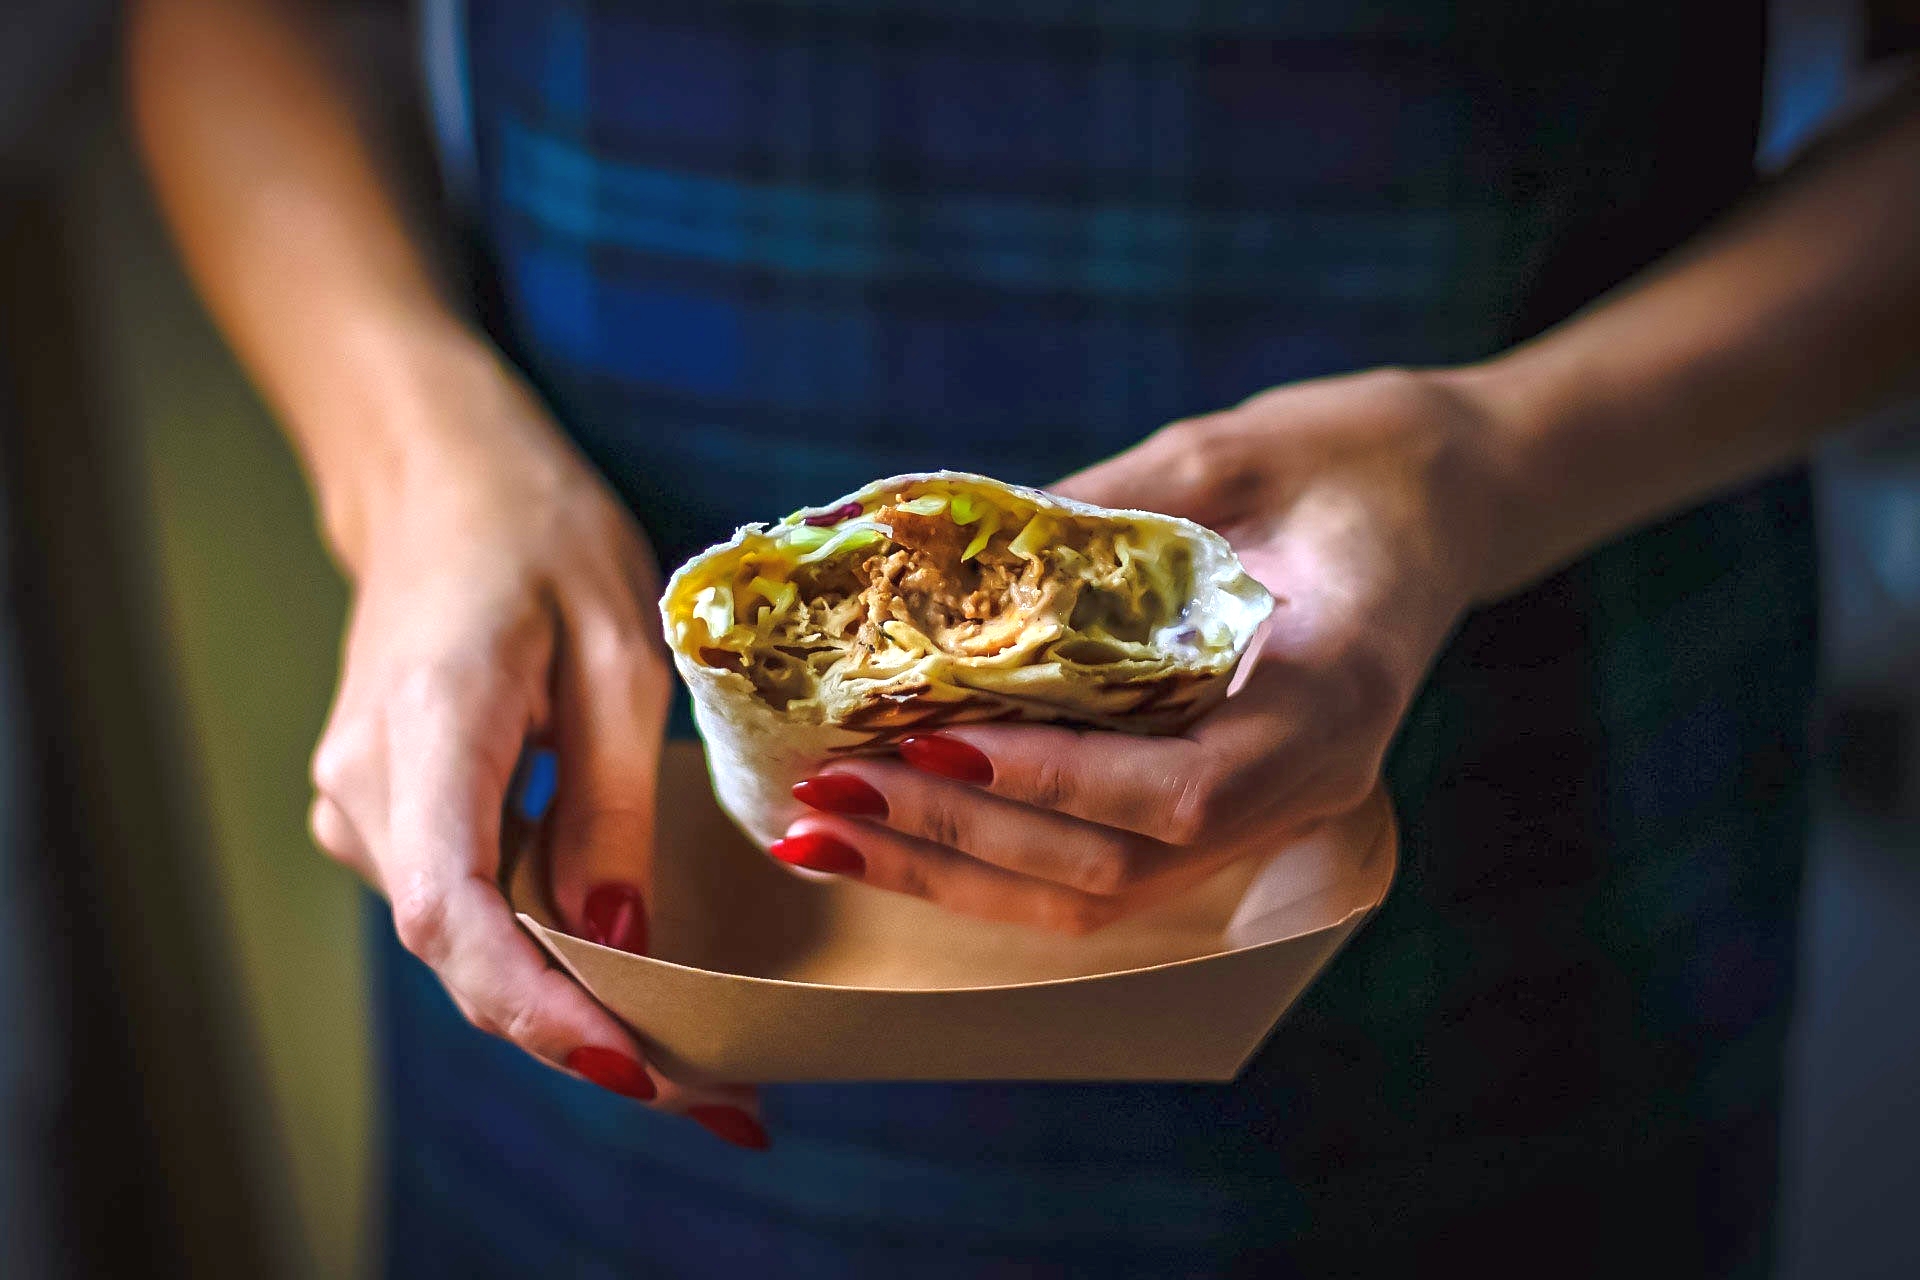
937	573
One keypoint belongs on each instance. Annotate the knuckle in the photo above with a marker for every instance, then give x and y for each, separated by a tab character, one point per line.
327	825
430	683
466	1007
1401	382
481	1019
1187	810
1192	444
939	823
336	760
1077	916
420	920
620	641
912	877
1182	436
469	678
1051	786
1109	867
525	1015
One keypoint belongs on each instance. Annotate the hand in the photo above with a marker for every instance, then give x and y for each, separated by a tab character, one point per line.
502	596
1367	505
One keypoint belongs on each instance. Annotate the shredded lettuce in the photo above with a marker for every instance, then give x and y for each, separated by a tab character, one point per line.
780	595
989	523
931	504
964	509
806	537
850	536
714	606
1027	543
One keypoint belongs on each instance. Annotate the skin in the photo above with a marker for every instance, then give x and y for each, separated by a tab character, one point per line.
502	595
1383	505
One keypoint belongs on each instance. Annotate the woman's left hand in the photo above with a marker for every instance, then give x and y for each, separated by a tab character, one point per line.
1371	506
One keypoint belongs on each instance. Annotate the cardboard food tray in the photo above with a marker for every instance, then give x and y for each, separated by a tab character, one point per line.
759	975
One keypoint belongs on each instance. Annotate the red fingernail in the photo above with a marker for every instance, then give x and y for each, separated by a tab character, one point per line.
611	1069
615	916
731	1124
948	757
818	852
841	793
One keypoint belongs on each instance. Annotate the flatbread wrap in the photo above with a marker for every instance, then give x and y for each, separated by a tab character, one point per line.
945	598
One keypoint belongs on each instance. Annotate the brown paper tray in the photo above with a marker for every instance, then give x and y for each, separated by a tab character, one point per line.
758	975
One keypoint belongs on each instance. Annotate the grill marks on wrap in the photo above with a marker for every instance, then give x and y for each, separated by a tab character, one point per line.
1157	704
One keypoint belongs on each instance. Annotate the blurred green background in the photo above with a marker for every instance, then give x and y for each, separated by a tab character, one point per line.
251	613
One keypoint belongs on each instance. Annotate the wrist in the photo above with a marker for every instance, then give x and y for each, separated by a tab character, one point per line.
420	410
1527	478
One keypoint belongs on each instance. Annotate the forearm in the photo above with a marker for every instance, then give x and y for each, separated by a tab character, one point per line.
1794	317
301	250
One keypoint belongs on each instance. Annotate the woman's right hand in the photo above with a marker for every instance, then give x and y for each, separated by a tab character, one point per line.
502	597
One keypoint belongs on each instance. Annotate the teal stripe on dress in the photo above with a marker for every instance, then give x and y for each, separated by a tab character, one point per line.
1115	250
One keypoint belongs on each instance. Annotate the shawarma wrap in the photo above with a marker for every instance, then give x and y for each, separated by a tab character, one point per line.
945	598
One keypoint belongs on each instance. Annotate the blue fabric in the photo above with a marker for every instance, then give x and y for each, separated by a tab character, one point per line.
756	253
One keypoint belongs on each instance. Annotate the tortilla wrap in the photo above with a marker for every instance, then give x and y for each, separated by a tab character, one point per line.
943	598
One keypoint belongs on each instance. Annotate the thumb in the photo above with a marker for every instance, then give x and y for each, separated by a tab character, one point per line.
1167	472
610	703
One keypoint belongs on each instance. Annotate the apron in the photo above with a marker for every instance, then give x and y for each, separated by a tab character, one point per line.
757	252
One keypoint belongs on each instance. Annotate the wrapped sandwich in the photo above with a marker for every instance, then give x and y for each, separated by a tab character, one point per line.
938	599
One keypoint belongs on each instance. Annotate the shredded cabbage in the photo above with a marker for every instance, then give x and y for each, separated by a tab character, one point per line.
714	606
849	536
931	504
778	594
805	537
989	523
1027	543
964	509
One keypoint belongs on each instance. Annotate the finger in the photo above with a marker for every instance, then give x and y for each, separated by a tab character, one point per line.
522	997
453	740
459	744
1041	843
1179	790
611	691
504	983
731	1110
903	864
1167	472
1150	787
730	1113
335	834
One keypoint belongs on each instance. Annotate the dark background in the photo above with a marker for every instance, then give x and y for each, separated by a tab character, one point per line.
184	1081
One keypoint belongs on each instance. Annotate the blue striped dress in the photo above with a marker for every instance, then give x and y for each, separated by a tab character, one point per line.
756	252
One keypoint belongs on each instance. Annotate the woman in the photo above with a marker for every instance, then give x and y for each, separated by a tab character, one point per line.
744	257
